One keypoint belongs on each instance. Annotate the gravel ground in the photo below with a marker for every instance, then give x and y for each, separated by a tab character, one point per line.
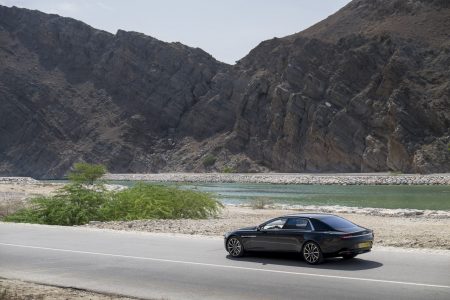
21	290
293	178
409	232
21	180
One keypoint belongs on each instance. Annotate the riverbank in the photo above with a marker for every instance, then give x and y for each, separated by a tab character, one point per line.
394	231
272	178
291	178
18	180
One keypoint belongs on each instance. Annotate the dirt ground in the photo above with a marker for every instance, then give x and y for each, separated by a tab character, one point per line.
21	191
21	290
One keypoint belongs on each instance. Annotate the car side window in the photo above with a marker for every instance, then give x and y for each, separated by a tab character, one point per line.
274	225
297	223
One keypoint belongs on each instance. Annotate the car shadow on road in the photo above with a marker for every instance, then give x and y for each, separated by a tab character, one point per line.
293	260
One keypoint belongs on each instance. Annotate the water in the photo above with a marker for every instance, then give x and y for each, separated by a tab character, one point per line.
417	197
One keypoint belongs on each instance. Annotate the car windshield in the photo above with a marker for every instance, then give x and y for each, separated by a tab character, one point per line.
338	223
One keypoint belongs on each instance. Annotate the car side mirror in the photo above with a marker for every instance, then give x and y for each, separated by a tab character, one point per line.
258	228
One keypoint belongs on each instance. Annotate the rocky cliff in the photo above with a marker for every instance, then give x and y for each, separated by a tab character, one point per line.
365	90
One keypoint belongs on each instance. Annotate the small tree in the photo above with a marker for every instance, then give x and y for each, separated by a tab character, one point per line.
209	160
85	173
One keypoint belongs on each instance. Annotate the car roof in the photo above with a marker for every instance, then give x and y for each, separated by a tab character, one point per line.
309	215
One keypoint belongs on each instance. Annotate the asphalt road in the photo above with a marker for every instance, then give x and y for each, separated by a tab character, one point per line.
191	267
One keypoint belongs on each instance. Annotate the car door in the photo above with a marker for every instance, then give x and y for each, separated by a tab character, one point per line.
272	237
296	228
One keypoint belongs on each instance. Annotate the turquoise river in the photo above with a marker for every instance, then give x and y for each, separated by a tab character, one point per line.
381	196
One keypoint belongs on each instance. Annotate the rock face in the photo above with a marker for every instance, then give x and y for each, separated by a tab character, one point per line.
365	90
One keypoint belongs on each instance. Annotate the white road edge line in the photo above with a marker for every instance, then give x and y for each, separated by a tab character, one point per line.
229	267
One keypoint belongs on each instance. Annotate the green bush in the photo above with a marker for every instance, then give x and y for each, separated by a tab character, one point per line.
228	170
395	173
74	204
146	201
85	173
209	160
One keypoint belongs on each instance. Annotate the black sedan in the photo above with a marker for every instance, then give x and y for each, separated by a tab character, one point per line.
315	236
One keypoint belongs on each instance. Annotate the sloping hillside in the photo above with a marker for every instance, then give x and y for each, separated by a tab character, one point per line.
367	89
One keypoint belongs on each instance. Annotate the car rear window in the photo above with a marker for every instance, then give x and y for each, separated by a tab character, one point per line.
338	223
320	226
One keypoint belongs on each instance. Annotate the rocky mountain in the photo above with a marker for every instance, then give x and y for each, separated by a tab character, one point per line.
367	89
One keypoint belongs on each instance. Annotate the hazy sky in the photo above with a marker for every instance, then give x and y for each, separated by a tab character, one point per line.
227	29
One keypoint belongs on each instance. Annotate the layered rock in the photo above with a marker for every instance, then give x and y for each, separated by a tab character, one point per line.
365	90
70	92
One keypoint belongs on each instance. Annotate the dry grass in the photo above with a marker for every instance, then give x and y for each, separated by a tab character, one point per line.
260	203
9	205
13	197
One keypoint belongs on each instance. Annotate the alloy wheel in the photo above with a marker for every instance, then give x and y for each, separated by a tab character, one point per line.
311	253
234	247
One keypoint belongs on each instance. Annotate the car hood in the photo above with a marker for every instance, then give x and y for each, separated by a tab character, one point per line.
251	228
247	228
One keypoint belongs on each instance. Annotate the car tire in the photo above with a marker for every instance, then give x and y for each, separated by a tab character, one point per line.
235	247
349	256
311	253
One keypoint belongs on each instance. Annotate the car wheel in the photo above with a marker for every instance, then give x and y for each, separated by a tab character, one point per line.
312	253
348	256
235	247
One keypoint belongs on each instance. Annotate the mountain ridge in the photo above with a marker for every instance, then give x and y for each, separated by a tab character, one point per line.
360	102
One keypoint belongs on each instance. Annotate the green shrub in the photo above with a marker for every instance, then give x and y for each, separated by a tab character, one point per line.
77	204
85	173
209	160
74	204
395	173
228	170
146	201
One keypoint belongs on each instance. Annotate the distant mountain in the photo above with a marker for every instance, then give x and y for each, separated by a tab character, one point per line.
367	89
